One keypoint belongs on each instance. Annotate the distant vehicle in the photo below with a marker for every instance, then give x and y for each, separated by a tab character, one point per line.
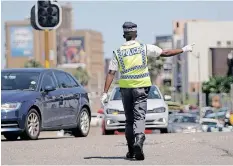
34	100
184	123
156	116
223	114
174	107
209	124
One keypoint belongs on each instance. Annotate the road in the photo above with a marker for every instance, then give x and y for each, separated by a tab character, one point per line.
179	149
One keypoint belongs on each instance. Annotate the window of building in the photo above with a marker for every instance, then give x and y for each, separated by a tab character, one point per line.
177	25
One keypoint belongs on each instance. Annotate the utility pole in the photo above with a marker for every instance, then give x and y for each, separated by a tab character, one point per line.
47	59
199	81
231	97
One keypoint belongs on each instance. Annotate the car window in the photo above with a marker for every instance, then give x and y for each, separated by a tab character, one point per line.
63	80
72	81
19	80
48	80
153	94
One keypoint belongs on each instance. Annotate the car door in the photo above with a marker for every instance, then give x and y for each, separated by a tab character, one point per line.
75	89
52	101
68	110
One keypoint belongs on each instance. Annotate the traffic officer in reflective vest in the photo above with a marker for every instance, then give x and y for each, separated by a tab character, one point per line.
131	60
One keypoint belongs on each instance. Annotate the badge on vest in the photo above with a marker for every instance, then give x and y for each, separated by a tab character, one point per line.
131	51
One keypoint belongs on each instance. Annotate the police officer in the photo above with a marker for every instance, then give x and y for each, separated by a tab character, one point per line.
131	60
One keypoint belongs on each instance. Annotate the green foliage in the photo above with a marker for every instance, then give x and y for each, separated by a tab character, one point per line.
165	90
82	76
155	66
32	64
220	84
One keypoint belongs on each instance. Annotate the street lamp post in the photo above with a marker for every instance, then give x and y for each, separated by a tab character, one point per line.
230	63
199	80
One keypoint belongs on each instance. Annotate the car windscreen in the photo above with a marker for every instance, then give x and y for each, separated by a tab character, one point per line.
209	123
153	94
216	115
19	80
185	119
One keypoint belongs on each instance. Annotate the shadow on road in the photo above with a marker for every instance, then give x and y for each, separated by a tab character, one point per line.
4	140
108	158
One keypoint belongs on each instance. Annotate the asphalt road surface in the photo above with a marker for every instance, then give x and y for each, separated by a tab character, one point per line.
199	148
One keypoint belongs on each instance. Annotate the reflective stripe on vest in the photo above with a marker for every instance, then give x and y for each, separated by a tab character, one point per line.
133	75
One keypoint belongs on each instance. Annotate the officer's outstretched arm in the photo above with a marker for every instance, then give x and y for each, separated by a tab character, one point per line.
109	79
168	53
172	52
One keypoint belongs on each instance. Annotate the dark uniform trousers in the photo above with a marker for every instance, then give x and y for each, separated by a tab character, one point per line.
135	106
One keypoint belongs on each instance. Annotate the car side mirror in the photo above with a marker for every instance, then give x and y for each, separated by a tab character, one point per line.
167	97
49	88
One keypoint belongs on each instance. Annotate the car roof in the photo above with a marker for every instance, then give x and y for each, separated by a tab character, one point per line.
184	114
40	70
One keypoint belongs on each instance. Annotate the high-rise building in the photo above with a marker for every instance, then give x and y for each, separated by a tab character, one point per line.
214	40
67	17
178	42
165	42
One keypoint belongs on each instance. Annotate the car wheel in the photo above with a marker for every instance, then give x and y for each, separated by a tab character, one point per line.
32	126
163	131
11	136
83	126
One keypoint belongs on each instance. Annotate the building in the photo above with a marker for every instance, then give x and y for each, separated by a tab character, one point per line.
165	42
214	40
67	17
83	48
24	43
178	42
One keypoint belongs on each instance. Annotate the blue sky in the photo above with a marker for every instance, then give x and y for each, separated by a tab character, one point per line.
153	18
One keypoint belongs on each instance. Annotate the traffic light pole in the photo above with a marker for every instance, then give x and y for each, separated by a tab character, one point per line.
46	35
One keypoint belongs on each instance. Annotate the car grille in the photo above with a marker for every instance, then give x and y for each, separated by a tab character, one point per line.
147	121
12	124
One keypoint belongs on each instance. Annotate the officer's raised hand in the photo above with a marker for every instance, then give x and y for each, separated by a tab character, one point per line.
188	48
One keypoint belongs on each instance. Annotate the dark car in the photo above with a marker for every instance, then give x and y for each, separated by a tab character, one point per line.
35	100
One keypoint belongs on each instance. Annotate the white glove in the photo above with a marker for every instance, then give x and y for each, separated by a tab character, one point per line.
188	48
104	98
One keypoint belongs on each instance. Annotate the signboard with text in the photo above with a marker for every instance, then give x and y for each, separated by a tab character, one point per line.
21	41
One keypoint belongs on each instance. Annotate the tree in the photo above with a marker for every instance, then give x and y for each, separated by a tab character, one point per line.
155	66
82	76
32	64
219	84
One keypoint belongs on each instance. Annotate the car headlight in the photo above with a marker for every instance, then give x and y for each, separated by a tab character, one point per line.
10	106
228	115
112	111
158	110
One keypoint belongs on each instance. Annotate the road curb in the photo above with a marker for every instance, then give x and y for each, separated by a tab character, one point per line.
96	119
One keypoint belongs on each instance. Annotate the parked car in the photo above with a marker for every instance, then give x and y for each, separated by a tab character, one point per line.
208	124
184	123
35	100
156	115
223	115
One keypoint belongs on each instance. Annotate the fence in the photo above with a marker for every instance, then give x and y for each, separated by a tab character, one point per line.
192	98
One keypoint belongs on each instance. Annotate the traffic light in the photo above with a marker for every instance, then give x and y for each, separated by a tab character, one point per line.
46	15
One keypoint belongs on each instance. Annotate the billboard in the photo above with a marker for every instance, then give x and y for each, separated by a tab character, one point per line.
74	50
21	41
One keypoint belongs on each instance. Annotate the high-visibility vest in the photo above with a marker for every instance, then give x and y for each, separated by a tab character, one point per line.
133	67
